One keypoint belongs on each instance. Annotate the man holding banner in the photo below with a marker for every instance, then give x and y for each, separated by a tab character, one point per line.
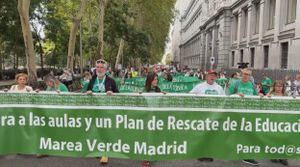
210	87
102	83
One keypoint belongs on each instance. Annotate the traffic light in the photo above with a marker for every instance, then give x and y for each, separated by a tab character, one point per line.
242	65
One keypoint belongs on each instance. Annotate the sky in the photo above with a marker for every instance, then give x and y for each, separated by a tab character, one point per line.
180	6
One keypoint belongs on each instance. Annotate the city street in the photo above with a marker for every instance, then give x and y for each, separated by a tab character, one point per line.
32	161
149	79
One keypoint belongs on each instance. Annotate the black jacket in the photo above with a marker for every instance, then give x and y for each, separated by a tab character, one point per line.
110	84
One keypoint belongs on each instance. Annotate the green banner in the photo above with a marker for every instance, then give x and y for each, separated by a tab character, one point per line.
180	84
183	85
177	87
150	126
185	79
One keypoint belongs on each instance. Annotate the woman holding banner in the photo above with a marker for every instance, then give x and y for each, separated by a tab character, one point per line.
53	84
151	86
278	89
152	83
21	81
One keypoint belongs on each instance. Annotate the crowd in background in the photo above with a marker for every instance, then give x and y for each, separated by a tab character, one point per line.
101	79
65	82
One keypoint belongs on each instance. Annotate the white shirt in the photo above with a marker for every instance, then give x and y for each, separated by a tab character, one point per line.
206	89
25	89
297	87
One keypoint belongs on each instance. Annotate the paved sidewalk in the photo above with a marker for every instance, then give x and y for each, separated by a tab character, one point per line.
32	161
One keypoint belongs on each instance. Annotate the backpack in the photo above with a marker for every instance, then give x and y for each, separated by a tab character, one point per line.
237	85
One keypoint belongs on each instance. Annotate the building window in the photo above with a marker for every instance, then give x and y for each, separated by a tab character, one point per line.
245	21
242	56
232	58
256	17
284	54
291	10
272	8
252	52
266	56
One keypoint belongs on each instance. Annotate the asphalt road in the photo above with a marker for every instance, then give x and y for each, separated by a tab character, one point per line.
32	161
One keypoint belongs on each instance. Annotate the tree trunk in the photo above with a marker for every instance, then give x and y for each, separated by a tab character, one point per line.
15	64
41	54
102	5
120	53
72	38
23	8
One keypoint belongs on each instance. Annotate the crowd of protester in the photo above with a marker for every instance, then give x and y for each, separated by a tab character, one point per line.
101	79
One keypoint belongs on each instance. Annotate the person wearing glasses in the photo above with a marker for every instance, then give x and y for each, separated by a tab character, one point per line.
101	83
245	87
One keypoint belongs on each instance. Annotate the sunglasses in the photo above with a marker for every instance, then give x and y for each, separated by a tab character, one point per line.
101	61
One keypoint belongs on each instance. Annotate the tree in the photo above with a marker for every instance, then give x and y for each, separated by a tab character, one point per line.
101	6
11	43
154	17
23	8
72	38
168	59
120	53
58	20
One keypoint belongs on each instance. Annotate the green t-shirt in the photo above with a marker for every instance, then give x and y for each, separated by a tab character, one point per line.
265	88
222	82
62	88
232	85
99	85
85	85
246	89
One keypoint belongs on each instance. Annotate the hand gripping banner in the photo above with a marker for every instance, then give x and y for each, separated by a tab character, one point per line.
150	126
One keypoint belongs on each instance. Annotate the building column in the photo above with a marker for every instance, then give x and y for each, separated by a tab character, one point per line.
277	19
297	21
206	48
199	51
249	22
239	36
213	43
203	50
261	20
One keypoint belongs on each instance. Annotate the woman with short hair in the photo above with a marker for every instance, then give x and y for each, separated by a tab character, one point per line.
21	81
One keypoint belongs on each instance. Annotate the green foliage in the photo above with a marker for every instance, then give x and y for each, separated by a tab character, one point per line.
144	29
118	26
58	18
12	42
155	17
142	24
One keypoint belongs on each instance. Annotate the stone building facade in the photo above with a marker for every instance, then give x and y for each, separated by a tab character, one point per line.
264	33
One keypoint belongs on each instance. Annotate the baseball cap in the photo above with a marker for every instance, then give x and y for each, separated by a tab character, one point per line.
212	72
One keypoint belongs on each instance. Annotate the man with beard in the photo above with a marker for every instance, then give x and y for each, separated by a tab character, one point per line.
100	82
